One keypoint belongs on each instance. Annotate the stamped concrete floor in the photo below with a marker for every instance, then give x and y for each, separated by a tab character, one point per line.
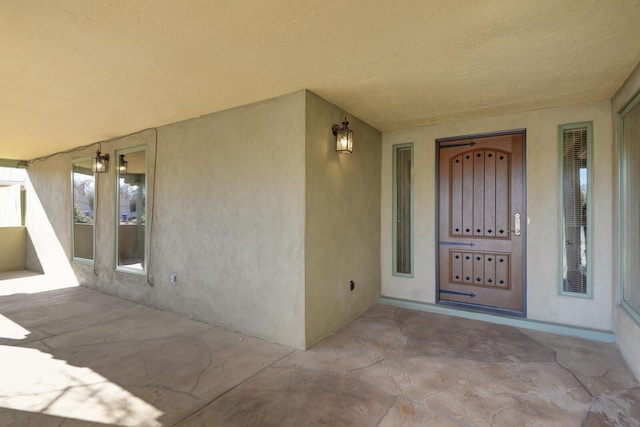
75	357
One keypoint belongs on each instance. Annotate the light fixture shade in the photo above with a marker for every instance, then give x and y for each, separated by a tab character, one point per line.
100	163
344	137
122	165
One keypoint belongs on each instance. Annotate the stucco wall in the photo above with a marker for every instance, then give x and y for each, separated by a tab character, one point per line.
543	300
228	218
342	234
48	218
13	248
627	330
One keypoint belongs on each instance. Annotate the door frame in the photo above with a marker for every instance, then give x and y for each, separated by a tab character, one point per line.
465	305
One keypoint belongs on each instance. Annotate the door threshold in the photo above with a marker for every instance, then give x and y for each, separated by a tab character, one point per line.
501	319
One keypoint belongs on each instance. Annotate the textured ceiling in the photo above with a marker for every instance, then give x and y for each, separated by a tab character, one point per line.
76	72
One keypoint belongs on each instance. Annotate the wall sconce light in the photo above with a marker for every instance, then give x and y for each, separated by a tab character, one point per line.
344	137
122	165
100	163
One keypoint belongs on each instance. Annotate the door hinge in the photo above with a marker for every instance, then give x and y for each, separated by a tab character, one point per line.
458	145
471	244
470	294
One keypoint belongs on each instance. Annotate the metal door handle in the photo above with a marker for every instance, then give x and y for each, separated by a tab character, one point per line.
517	224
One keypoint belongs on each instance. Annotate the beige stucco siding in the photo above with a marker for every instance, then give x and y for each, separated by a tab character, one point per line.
342	221
48	218
543	301
228	218
13	247
262	221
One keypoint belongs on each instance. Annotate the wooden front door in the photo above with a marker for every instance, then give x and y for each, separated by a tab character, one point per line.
482	222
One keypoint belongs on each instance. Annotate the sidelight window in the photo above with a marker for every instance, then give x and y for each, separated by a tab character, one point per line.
576	207
403	210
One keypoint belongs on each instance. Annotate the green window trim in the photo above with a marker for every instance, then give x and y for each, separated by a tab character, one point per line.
83	164
121	267
588	213
402	218
624	187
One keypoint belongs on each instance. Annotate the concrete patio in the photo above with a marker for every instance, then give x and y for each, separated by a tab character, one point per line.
75	357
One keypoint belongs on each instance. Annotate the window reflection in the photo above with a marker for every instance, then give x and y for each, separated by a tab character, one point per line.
83	209
132	210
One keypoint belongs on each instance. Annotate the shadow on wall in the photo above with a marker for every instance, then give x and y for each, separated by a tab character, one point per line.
45	253
49	387
31	255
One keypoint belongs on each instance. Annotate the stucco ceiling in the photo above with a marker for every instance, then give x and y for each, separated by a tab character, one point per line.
76	71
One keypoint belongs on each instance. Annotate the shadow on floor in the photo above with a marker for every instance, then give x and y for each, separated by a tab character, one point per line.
28	282
79	357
